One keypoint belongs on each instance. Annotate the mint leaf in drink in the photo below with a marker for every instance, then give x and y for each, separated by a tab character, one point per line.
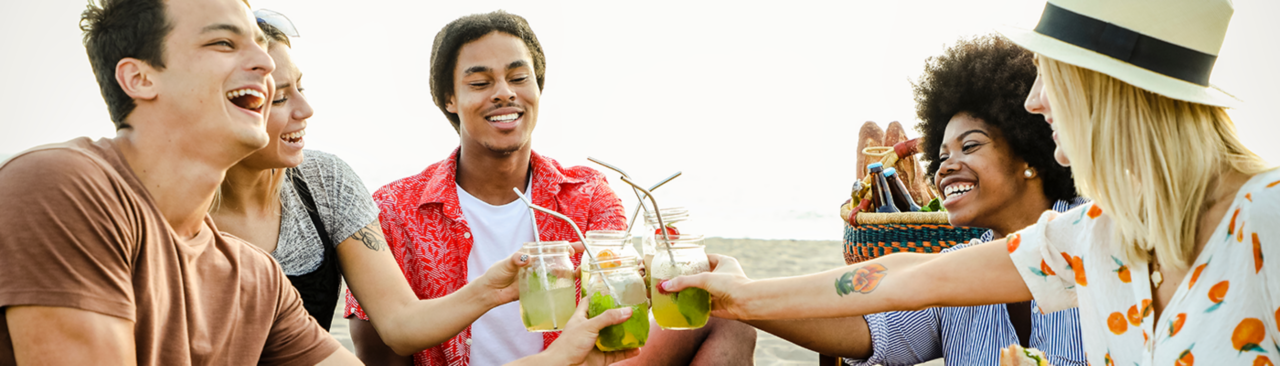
693	303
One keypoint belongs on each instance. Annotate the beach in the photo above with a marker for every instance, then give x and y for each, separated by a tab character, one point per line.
760	259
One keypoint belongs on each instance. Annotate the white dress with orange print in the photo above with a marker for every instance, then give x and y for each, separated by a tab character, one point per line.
1224	312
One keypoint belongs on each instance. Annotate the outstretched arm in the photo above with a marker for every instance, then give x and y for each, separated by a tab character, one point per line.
980	275
841	337
404	322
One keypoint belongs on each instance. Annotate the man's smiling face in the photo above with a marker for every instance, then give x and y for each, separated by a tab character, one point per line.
495	93
217	78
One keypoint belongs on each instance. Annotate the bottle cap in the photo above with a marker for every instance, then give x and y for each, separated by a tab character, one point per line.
875	167
889	172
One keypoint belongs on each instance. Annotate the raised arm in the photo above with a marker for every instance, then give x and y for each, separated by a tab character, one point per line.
44	335
980	275
405	323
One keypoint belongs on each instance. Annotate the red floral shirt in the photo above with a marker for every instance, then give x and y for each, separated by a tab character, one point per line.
429	237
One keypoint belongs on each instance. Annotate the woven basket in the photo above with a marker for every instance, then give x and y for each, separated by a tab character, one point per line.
878	234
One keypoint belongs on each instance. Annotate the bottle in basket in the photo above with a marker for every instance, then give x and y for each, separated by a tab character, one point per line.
546	286
623	277
689	308
901	197
882	199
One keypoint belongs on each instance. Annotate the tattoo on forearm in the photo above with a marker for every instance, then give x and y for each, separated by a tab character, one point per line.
372	239
862	280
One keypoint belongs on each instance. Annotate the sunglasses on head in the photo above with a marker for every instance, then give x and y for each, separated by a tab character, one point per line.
275	19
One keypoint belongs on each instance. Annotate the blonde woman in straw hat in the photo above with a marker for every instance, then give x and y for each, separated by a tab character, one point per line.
1166	266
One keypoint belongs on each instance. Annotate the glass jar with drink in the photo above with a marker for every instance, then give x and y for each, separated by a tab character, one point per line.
671	217
606	244
625	288
689	308
546	286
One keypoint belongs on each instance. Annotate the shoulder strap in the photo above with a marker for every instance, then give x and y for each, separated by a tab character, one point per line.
304	193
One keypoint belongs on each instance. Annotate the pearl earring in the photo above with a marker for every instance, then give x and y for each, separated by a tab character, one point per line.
1029	173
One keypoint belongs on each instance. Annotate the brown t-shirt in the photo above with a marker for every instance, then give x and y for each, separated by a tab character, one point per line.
78	230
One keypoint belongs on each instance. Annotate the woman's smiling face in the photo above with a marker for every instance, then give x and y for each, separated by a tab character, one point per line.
979	174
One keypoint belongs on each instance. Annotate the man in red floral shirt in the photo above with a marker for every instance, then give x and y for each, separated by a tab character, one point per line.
459	216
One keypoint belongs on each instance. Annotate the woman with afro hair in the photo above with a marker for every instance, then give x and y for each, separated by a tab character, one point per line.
994	164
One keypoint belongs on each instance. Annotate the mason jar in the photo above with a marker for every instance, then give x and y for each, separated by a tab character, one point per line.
623	277
606	244
671	216
547	298
689	308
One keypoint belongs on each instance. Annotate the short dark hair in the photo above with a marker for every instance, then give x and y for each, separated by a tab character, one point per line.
116	29
445	48
988	78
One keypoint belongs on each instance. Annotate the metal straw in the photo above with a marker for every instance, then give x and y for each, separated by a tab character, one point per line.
537	238
582	238
636	214
661	226
624	175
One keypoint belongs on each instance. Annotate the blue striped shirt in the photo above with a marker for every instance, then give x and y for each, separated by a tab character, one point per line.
971	335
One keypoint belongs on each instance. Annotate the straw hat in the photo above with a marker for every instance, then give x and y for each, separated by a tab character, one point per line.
1167	47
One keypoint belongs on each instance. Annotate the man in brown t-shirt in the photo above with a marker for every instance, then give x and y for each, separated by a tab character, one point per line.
107	256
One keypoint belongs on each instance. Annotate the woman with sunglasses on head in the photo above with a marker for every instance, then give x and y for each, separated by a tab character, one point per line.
311	212
1167	265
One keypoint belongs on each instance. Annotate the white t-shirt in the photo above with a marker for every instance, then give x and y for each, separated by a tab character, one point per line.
499	336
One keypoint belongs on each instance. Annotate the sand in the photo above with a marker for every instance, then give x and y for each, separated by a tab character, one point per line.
760	259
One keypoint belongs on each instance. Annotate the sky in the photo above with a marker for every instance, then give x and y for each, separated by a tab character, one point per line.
757	103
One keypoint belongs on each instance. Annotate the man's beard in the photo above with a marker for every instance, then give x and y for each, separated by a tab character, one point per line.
503	150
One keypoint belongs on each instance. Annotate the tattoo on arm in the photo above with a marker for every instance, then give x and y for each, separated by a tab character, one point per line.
372	239
862	280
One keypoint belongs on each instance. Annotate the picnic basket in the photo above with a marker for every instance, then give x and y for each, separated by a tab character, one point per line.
868	235
875	234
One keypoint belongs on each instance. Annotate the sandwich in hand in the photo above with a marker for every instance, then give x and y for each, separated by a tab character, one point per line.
1015	355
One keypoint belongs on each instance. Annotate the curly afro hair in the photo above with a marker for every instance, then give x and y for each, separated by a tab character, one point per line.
988	77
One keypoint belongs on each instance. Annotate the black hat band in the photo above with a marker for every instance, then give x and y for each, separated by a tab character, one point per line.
1126	45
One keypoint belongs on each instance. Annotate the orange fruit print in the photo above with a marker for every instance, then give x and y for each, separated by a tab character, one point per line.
1135	317
1044	267
1146	308
1217	293
1116	323
1277	318
1262	361
1107	359
1094	211
1185	359
1232	229
1014	240
1248	335
1123	272
1257	254
1176	324
1196	275
1240	233
1077	265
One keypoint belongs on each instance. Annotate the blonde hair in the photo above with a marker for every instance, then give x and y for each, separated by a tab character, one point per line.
278	179
1144	158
